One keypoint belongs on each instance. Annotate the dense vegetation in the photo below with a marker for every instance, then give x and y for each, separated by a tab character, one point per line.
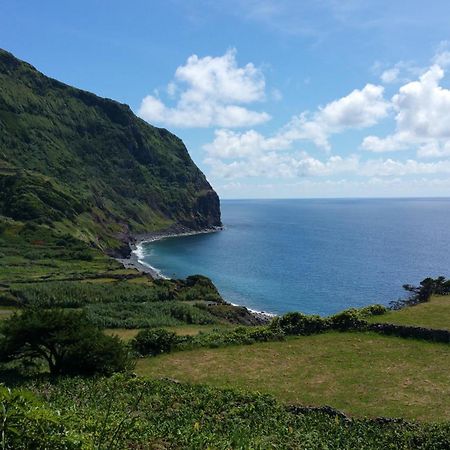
88	165
122	412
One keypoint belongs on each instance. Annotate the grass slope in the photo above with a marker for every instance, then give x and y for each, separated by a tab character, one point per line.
435	313
359	373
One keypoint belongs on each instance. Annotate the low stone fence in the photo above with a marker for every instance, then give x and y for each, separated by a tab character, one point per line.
428	334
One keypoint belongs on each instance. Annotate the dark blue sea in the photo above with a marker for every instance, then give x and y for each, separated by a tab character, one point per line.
314	256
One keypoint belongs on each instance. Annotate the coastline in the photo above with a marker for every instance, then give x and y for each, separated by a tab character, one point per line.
135	260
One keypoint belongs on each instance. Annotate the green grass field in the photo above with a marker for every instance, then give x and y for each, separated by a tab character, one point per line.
433	314
181	330
363	374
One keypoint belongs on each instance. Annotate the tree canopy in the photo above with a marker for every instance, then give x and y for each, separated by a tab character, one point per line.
65	340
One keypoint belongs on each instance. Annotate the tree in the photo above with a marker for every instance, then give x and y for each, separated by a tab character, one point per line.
65	340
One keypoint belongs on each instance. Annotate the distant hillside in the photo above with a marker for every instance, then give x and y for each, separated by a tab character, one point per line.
88	166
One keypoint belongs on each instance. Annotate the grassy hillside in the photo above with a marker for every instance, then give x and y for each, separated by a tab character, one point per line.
359	373
88	166
435	313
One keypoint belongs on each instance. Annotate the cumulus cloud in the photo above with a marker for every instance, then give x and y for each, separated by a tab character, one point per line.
251	154
359	109
231	144
210	91
422	117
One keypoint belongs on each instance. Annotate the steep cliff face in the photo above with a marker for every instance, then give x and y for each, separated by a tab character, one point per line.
89	166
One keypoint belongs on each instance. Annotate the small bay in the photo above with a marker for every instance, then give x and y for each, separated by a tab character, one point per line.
315	256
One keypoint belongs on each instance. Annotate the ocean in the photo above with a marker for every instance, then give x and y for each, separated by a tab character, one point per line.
314	256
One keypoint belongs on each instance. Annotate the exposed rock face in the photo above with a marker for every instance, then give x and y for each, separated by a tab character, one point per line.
70	157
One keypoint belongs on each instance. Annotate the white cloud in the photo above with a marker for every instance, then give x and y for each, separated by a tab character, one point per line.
251	154
390	167
442	55
422	117
401	72
434	150
276	165
340	187
359	109
398	141
210	92
230	144
390	75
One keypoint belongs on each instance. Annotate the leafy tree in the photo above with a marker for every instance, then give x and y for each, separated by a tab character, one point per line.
423	292
65	340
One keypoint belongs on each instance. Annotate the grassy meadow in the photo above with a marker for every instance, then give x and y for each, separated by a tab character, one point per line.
127	334
435	313
363	374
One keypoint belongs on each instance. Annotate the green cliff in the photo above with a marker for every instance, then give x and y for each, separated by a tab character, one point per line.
88	166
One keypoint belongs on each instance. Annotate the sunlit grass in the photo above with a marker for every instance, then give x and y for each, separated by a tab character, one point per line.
181	330
433	314
364	374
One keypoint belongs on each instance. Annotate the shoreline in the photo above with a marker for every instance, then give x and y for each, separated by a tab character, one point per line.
135	260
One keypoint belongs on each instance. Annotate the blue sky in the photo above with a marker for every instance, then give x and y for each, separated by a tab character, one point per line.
281	98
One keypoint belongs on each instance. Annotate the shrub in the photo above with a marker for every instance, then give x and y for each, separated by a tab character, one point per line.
154	341
300	324
7	299
105	355
373	310
350	319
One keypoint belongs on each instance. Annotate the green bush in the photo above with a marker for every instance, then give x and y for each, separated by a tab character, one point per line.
154	342
7	299
295	324
101	354
350	319
373	310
